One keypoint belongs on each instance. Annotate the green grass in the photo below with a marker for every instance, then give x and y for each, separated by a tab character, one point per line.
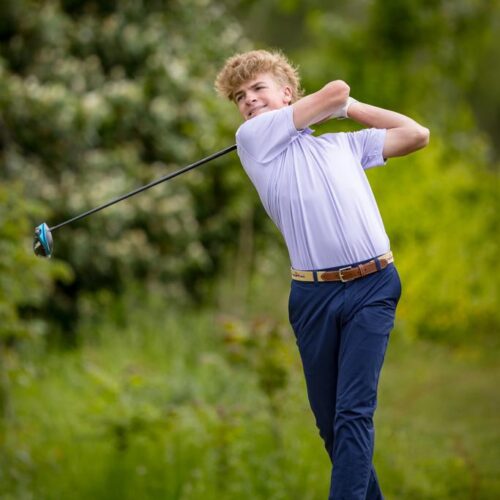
160	405
438	433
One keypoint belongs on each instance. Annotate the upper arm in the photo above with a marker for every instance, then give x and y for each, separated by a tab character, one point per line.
400	141
320	105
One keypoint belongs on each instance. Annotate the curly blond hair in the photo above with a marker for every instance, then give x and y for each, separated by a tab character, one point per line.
241	68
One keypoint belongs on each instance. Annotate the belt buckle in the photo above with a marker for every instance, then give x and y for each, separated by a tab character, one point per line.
340	274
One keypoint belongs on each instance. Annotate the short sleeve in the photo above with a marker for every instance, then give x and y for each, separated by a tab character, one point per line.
367	145
267	135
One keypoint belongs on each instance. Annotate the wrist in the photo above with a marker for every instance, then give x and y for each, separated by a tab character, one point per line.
342	112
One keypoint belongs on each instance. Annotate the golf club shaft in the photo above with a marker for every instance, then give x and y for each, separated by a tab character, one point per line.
147	186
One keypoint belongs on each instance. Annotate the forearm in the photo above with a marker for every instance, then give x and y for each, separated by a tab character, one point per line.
372	116
404	135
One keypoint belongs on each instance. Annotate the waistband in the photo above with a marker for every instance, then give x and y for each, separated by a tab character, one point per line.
347	273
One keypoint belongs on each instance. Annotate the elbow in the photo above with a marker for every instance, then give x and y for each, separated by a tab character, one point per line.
405	140
338	92
422	136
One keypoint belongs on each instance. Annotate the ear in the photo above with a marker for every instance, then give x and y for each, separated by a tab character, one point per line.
287	94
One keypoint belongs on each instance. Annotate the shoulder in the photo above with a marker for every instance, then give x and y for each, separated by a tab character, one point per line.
265	122
267	135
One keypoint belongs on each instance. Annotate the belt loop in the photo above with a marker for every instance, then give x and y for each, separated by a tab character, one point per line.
377	263
315	276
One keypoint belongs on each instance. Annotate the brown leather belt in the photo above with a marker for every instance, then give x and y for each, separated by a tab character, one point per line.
345	274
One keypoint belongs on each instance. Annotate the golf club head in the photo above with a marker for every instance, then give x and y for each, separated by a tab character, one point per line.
42	243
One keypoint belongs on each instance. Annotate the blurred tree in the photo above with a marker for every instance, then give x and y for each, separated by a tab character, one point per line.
97	98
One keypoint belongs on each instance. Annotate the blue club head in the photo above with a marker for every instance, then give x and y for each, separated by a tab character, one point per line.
43	244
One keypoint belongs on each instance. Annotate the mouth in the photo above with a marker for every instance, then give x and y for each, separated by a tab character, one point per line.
255	111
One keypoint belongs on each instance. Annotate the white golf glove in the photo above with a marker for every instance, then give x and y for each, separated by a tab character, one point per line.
341	113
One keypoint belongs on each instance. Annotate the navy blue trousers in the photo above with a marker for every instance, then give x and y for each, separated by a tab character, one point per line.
342	331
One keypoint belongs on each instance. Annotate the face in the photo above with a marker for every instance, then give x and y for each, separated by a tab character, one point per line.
261	94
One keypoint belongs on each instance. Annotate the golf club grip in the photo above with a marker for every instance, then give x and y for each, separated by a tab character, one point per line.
147	186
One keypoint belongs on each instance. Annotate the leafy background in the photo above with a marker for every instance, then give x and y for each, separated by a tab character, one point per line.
151	357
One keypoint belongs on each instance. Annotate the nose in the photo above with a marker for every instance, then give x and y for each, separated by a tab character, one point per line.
250	98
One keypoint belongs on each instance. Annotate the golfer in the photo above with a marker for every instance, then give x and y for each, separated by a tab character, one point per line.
345	287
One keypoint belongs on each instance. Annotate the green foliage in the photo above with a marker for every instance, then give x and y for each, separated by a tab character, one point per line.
441	227
99	98
159	408
261	346
24	280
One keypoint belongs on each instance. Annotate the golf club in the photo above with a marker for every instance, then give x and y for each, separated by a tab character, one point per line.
43	243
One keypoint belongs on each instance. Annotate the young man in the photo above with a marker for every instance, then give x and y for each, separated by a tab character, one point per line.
345	287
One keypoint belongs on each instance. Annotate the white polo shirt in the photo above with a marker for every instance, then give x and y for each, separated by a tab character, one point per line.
315	188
